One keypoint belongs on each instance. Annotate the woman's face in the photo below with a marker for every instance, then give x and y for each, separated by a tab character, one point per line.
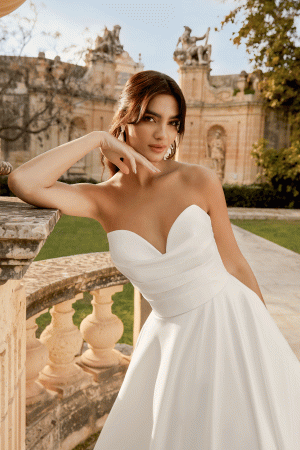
157	129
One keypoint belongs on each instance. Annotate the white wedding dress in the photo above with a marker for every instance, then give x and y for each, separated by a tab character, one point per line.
211	370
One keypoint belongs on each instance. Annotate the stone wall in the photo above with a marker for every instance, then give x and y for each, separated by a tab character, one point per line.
225	116
87	96
12	364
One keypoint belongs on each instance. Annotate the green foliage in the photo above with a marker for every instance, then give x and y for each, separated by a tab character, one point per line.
262	195
236	90
249	91
281	167
268	29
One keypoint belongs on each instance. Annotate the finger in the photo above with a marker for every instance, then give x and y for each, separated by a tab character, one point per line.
133	163
122	166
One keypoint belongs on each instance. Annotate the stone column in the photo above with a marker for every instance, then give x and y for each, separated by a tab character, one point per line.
102	330
23	231
36	358
12	365
64	342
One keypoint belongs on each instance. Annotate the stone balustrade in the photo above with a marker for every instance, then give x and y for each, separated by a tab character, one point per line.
68	393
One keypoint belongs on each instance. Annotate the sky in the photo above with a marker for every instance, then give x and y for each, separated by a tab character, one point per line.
151	29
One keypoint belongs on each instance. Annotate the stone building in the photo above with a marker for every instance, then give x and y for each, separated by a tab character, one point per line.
225	115
86	96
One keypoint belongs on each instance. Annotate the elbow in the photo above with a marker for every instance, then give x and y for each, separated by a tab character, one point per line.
17	186
10	181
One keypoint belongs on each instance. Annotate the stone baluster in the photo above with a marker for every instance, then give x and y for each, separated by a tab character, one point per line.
102	330
36	358
64	342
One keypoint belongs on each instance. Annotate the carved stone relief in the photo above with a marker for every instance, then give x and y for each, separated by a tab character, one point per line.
216	149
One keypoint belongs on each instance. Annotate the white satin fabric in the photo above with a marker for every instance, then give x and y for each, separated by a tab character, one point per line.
211	370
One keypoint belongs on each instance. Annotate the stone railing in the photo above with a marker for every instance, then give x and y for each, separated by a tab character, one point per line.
68	393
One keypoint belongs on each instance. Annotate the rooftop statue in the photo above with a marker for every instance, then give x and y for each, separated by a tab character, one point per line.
191	53
108	45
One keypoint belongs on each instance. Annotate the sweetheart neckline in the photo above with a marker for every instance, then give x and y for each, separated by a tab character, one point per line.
172	226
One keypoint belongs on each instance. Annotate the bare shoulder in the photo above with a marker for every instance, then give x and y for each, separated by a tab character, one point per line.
195	173
207	187
200	179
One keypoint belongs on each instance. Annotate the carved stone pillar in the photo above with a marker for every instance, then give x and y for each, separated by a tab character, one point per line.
102	330
36	358
64	342
23	231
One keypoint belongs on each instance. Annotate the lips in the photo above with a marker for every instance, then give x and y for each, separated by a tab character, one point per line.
158	148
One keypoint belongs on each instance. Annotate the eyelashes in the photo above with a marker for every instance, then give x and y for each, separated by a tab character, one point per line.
176	123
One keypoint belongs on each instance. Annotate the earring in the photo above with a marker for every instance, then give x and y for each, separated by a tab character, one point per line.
170	149
122	134
168	152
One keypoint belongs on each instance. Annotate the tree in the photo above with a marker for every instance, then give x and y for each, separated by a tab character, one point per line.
29	104
268	29
280	168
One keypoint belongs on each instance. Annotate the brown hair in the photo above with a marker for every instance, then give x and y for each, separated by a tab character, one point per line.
137	93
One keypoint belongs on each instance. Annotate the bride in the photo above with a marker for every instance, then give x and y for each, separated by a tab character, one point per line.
211	369
151	116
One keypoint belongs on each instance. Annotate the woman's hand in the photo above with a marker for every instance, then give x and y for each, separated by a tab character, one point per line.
114	149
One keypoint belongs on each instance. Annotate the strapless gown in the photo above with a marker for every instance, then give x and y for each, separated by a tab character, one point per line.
210	370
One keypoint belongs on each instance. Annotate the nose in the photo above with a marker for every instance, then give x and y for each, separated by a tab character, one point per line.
160	131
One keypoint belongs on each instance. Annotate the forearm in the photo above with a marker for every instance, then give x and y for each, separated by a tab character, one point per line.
45	169
245	275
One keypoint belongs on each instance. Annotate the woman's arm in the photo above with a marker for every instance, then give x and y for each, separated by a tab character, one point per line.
35	181
233	259
45	169
244	273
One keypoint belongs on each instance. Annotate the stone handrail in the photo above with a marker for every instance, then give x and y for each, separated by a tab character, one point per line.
24	229
58	377
56	280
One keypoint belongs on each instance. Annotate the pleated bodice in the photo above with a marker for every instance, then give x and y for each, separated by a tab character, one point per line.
190	273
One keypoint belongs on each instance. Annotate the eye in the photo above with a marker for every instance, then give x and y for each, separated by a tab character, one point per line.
176	124
148	118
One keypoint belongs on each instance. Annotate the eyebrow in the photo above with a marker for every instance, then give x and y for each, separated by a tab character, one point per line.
158	115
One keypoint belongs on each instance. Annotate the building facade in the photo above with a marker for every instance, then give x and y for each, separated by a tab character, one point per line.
225	115
86	97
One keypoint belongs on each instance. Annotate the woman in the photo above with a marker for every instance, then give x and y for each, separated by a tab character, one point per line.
211	369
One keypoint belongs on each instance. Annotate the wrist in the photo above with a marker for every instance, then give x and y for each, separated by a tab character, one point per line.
101	138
